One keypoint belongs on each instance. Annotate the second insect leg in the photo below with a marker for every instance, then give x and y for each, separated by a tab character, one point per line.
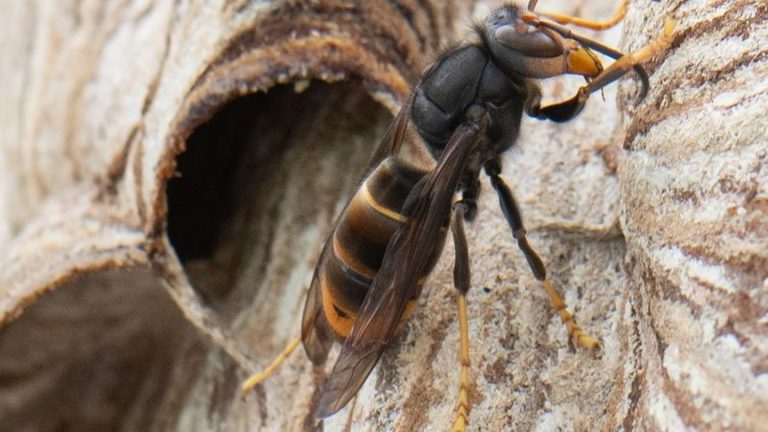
508	206
461	281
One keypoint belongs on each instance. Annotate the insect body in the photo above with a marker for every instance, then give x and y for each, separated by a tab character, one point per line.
466	111
354	253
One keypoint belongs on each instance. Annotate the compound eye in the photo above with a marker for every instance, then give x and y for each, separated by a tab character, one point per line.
527	40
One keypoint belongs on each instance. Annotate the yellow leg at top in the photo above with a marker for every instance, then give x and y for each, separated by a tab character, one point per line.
559	18
256	379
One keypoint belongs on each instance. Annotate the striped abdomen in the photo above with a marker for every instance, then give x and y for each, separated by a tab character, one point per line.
360	240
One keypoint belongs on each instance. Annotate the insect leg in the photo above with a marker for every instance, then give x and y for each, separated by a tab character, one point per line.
461	278
569	108
258	378
625	63
512	214
470	190
559	18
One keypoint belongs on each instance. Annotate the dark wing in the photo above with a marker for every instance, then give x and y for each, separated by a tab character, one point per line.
392	139
404	263
316	334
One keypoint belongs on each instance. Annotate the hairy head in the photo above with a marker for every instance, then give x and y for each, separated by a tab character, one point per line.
520	45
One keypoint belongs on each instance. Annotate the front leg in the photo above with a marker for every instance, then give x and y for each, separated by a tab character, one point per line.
567	109
558	112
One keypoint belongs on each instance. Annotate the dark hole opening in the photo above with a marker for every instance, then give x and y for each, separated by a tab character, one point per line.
202	197
257	176
98	353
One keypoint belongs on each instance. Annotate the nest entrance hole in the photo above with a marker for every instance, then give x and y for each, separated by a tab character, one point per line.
262	183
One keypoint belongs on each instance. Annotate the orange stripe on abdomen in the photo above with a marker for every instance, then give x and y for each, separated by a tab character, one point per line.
339	319
360	241
372	217
361	238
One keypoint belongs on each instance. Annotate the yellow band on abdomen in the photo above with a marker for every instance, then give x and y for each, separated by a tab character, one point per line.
378	207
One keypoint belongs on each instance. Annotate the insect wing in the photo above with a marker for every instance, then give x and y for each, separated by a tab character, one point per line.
404	262
316	334
392	140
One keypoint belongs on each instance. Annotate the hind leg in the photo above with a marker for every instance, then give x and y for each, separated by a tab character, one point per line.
508	206
258	378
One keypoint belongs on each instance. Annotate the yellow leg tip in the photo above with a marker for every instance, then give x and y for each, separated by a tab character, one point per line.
590	343
252	382
258	378
669	27
460	425
580	338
